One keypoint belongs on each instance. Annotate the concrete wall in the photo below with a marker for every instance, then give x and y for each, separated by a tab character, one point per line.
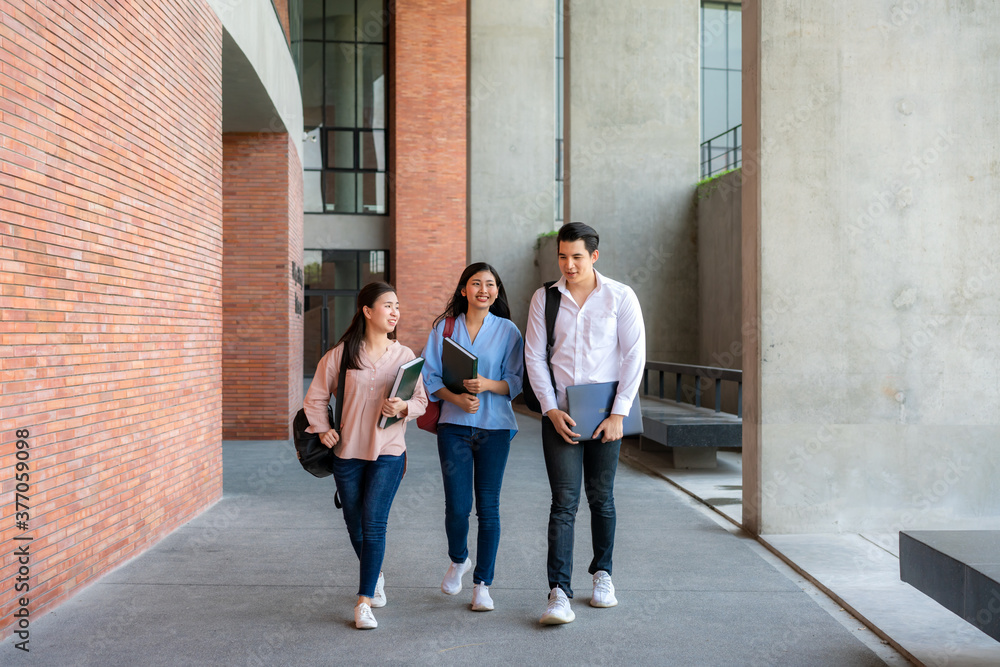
347	232
633	155
875	164
512	139
720	337
253	27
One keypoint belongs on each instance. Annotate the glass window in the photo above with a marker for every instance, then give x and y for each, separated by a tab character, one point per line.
713	35
312	19
312	150
715	113
721	84
312	84
332	281
340	20
339	192
371	21
342	55
312	192
371	98
373	150
340	149
340	85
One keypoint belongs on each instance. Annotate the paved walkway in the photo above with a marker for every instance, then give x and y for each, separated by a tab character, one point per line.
267	577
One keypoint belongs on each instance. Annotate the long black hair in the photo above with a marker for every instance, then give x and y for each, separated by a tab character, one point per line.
355	333
459	305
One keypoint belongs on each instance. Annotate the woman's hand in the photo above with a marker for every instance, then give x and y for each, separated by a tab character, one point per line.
394	407
481	384
329	438
468	402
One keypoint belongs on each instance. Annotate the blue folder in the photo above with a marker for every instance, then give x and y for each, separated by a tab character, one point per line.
590	404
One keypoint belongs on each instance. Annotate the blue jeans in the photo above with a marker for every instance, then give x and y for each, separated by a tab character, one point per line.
473	460
593	463
366	491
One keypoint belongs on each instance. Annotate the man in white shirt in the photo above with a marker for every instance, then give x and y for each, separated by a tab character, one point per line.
599	337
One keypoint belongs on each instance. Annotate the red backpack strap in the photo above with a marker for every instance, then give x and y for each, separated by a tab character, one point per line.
449	326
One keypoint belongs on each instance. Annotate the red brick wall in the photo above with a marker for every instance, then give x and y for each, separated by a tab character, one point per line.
262	333
281	9
110	282
428	159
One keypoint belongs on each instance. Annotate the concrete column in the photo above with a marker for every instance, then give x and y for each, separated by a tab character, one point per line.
633	155
877	174
512	139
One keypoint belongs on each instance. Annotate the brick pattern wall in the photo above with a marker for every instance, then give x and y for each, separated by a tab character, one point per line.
296	301
110	282
262	333
428	193
281	9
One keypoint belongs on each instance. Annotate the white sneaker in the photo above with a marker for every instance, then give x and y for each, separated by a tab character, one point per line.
452	583
363	617
558	610
604	591
378	600
481	600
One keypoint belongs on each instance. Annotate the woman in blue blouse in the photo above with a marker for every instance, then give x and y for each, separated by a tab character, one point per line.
475	428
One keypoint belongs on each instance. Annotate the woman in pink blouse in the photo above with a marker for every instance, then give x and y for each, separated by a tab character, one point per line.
368	461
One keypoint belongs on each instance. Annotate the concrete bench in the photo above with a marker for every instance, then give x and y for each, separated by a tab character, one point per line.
959	569
691	432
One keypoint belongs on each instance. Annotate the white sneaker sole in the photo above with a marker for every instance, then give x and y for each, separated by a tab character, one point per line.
552	619
603	605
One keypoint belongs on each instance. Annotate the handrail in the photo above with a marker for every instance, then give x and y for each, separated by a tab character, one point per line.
697	372
730	158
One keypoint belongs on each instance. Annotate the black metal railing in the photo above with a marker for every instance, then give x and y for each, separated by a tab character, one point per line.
699	373
722	152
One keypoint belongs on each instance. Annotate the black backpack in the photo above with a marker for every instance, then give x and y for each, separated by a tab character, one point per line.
552	298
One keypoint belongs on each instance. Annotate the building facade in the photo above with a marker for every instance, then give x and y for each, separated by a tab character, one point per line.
185	222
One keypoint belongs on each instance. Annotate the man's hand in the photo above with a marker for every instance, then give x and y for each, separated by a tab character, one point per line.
563	424
329	438
611	428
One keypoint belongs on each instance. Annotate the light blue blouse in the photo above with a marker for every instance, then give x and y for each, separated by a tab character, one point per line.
499	349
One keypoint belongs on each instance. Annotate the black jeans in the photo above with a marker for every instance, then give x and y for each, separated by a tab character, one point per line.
592	463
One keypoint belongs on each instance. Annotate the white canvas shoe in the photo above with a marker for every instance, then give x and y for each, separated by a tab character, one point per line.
558	610
378	600
452	583
604	591
363	617
481	600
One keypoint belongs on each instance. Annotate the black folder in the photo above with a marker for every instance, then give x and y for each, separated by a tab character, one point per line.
590	404
458	364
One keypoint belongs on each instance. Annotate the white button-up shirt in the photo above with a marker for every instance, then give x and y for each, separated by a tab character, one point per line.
602	341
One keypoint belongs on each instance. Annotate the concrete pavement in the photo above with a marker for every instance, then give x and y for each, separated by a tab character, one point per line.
267	576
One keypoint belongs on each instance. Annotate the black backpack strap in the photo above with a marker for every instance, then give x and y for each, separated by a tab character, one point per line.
553	297
341	380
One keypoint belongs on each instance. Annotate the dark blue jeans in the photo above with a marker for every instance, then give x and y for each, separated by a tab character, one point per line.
366	491
593	463
473	461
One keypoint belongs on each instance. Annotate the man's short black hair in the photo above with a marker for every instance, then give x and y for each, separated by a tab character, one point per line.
577	231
